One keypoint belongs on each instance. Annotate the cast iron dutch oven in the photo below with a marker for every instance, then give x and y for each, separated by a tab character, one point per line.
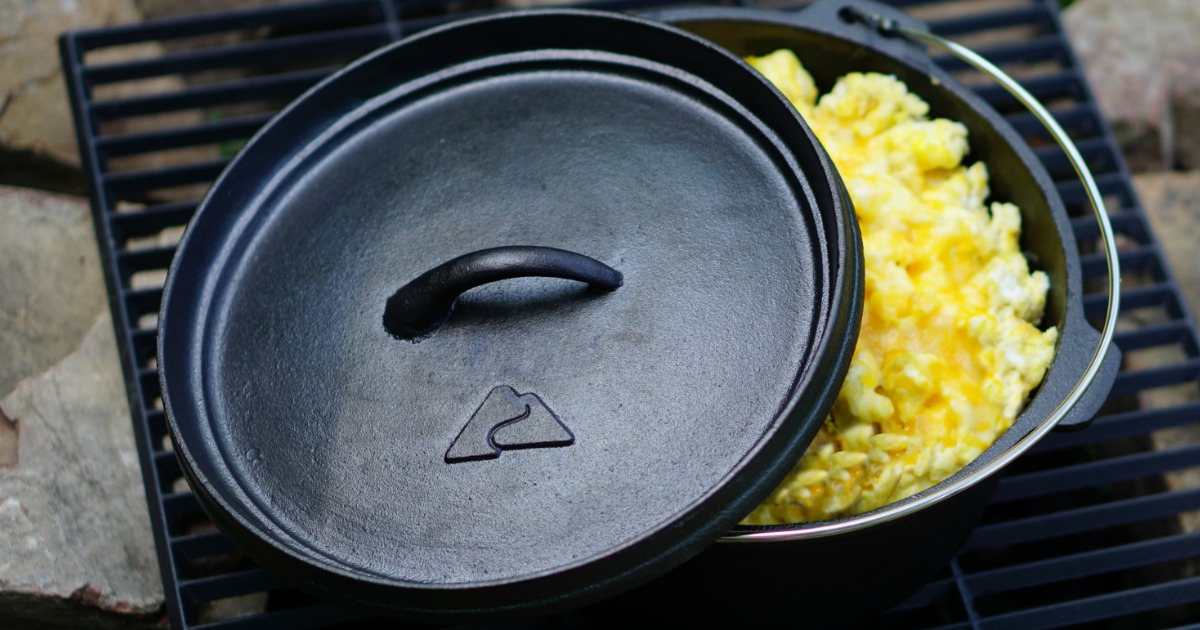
525	311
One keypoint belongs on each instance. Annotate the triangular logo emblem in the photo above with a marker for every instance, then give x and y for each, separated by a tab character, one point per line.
508	421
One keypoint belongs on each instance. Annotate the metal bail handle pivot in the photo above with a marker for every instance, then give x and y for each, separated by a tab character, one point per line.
889	27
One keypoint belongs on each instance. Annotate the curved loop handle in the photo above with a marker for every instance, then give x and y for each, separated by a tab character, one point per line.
421	306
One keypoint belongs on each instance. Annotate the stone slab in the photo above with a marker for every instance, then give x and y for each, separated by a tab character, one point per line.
1172	204
1142	60
77	549
51	286
36	127
34	111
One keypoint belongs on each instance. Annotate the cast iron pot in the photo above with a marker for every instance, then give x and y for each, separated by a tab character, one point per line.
255	283
840	572
365	419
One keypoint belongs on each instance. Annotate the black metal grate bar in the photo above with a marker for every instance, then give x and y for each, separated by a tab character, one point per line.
361	40
179	137
1083	530
151	220
1126	468
1131	424
1131	382
1080	120
246	19
1117	558
272	88
316	616
133	182
230	585
1039	48
1086	519
1037	14
1099	608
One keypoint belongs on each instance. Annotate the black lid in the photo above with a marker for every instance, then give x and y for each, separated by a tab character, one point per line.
548	443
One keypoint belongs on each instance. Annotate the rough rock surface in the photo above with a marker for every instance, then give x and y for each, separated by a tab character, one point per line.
77	549
51	286
34	112
1142	60
37	134
1172	203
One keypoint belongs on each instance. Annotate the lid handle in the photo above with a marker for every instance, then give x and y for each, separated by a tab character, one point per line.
421	306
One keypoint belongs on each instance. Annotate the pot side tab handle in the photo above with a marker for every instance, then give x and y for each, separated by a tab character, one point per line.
421	306
1096	392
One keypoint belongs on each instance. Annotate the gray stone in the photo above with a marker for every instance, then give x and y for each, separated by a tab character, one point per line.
34	111
77	549
1142	60
51	285
9	457
1172	204
35	120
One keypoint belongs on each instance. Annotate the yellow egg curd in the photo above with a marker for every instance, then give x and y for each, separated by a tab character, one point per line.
949	347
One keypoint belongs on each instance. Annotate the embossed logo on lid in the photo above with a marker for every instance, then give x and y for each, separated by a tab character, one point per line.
508	421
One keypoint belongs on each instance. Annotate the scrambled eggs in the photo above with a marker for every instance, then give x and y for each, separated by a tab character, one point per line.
949	349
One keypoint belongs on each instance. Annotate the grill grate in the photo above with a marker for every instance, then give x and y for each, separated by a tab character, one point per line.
1085	529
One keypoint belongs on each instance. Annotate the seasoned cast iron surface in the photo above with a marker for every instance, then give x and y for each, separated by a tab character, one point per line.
340	431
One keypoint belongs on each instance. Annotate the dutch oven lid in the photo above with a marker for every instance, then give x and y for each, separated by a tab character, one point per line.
549	441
